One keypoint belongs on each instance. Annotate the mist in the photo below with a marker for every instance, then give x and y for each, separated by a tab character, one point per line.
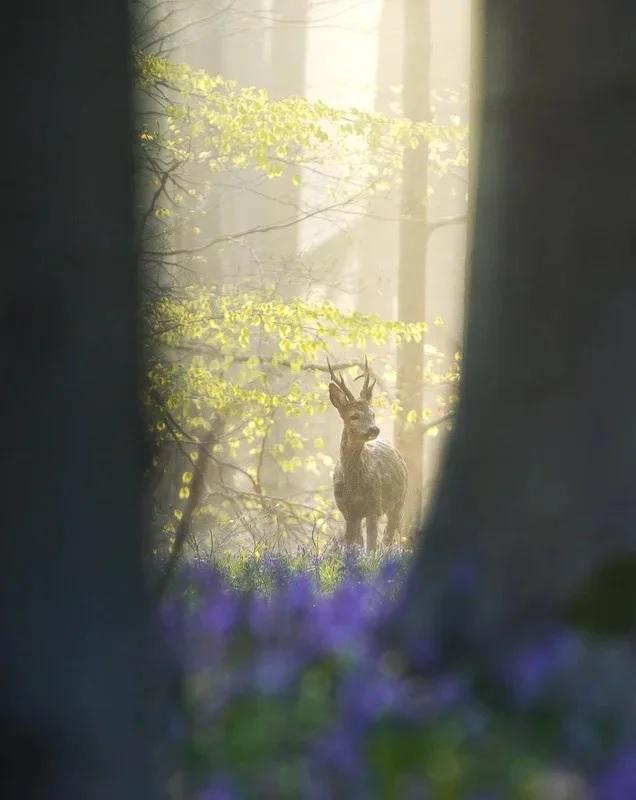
318	457
303	182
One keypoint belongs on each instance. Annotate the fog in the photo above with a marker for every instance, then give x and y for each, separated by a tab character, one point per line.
293	283
302	185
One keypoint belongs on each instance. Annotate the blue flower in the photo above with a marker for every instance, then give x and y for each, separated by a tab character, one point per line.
537	662
217	789
618	781
247	635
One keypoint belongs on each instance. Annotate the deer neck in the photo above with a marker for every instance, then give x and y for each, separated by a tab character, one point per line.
350	450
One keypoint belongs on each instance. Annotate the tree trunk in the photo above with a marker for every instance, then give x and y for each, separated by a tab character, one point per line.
538	487
74	671
413	235
287	71
376	237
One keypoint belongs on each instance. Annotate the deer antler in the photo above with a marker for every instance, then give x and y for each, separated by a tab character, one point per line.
340	383
367	391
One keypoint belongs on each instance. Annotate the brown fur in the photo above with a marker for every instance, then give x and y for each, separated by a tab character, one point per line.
370	477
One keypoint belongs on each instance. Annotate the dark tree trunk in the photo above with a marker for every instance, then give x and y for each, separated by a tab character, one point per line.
73	629
539	486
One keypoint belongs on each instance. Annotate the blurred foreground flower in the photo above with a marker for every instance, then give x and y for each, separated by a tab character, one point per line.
290	694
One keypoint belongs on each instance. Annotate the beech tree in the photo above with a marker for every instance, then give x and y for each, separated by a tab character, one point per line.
75	671
413	246
537	491
239	356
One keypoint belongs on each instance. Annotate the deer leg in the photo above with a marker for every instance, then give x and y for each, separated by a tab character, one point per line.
353	532
392	525
372	533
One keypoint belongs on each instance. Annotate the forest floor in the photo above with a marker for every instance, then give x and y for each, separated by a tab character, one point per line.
289	693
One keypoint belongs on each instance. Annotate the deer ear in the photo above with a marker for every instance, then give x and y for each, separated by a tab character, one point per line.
337	396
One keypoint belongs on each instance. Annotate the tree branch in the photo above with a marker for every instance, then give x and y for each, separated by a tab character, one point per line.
435	423
185	524
251	231
460	219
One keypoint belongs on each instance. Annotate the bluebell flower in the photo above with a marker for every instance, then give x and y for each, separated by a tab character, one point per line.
339	750
272	671
618	781
298	595
218	789
219	614
263	616
248	640
277	569
535	664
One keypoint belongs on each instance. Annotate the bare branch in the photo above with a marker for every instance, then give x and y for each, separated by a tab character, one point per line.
255	230
435	423
460	219
186	26
185	524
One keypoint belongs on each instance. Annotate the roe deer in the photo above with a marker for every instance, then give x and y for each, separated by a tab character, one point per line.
370	476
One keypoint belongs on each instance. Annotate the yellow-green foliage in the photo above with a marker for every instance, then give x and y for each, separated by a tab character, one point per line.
222	354
212	120
245	365
244	362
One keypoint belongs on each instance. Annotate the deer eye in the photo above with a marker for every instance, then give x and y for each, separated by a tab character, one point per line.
355	416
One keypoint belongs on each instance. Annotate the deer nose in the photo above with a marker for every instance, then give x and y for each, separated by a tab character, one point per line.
374	431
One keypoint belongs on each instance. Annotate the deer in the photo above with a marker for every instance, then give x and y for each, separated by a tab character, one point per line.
370	477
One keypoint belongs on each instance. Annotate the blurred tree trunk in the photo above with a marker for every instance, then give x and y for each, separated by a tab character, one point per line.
290	19
207	50
287	71
539	483
74	673
376	237
413	238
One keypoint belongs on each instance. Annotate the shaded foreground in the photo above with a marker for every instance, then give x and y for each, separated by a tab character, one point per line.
289	693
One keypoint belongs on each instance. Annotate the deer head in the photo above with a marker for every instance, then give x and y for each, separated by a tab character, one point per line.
357	414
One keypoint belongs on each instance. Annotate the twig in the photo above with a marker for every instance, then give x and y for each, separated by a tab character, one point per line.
437	422
185	524
258	229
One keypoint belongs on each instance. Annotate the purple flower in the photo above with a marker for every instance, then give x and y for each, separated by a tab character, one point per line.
220	614
618	781
427	698
366	694
424	654
390	570
339	751
273	672
245	641
534	665
298	595
263	616
277	569
218	789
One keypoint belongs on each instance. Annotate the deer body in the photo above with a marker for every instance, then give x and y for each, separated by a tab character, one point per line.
370	477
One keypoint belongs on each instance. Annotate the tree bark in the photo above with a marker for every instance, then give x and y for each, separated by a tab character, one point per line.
538	486
74	638
413	238
376	238
287	78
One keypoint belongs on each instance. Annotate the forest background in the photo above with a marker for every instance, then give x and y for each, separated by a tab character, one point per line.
293	208
535	517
